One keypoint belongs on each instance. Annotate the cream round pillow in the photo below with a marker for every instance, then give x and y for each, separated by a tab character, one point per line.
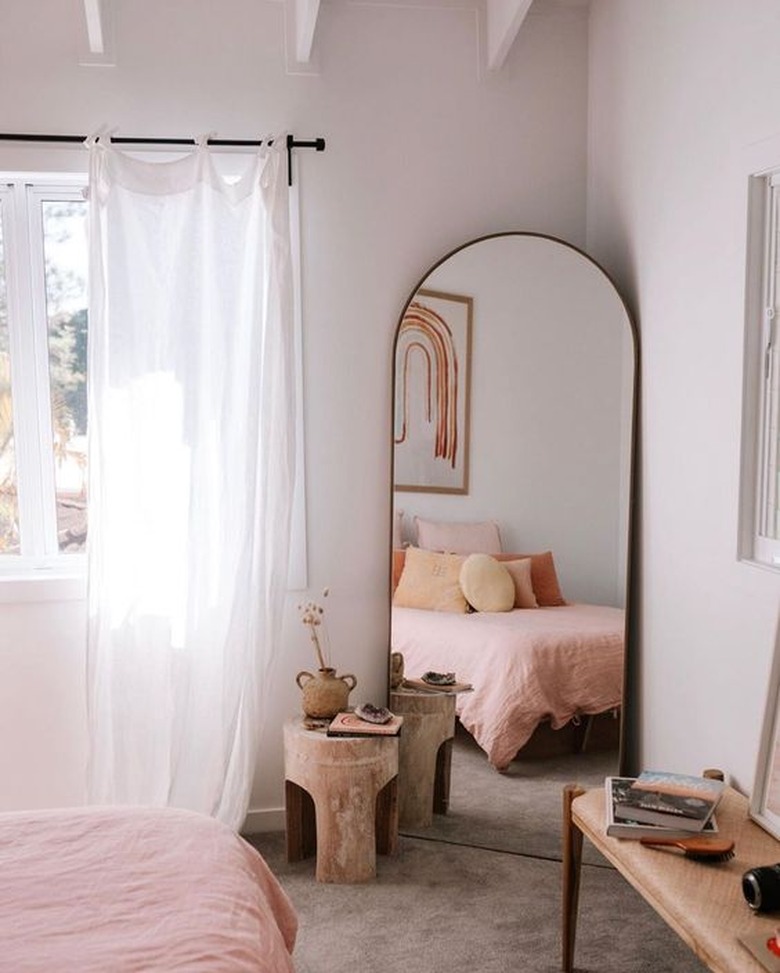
487	584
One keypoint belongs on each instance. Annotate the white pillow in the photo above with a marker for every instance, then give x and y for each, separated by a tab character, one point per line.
455	538
487	584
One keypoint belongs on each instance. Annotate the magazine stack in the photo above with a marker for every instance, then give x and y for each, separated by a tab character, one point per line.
661	804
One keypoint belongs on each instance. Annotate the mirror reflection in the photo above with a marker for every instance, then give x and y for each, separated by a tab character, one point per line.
512	442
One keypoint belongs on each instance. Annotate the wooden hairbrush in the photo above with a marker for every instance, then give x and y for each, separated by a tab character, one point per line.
700	849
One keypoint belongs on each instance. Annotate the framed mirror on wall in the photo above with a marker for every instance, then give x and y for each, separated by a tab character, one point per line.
513	436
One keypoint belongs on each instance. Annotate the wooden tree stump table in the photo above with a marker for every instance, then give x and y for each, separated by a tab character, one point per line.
425	754
341	801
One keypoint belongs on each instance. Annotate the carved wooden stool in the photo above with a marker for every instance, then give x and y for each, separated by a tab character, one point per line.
425	755
341	801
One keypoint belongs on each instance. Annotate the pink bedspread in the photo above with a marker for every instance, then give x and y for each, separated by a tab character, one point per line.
525	666
108	890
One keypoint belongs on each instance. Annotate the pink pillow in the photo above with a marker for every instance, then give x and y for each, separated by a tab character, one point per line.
544	577
455	538
520	572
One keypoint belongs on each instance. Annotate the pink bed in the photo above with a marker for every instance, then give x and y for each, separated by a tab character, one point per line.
108	890
526	666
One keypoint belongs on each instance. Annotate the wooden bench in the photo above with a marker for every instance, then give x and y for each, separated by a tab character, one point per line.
703	903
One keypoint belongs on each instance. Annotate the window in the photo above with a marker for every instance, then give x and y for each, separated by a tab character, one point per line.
43	365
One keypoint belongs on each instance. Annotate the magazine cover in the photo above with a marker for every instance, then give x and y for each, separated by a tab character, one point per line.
679	785
657	797
615	791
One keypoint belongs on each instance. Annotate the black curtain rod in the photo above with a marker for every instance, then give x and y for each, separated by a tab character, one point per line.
318	144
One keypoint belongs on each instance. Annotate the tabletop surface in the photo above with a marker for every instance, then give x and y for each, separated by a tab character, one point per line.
702	902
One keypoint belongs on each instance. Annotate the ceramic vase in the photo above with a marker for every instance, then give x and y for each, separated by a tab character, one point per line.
325	694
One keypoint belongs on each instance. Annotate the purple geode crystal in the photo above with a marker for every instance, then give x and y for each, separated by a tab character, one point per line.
373	714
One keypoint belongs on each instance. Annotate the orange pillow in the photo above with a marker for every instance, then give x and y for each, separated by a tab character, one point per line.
399	559
544	577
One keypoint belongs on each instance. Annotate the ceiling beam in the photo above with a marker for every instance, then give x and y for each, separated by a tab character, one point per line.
504	18
306	12
93	14
98	51
300	24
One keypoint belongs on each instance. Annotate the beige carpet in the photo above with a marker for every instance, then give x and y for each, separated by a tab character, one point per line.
480	891
520	810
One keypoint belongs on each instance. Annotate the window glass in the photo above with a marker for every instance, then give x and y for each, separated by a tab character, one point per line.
65	263
9	511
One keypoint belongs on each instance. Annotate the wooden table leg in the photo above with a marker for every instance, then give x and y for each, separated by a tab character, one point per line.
441	785
299	822
387	818
572	866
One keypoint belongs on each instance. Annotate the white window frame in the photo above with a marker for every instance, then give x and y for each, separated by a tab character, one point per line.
20	198
45	561
765	217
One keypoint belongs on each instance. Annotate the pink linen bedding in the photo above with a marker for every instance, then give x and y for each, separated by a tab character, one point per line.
526	665
125	890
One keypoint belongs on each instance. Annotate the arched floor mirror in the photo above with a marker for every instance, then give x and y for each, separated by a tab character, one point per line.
513	436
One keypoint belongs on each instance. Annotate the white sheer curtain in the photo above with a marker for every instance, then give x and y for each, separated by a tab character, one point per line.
191	428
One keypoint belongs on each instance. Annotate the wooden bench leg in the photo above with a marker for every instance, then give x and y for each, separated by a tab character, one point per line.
572	866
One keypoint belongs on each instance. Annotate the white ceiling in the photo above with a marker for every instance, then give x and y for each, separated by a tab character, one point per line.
501	20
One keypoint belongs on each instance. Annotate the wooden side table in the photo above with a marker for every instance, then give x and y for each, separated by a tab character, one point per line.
341	801
703	903
425	754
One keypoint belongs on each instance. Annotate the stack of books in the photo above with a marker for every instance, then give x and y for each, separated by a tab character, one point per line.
660	804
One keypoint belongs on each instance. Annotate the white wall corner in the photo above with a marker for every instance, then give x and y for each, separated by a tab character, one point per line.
503	20
262	821
98	48
300	24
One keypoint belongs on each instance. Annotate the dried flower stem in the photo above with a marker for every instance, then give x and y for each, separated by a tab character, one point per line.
312	617
318	648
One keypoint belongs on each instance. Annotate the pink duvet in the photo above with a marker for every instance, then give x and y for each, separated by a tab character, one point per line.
525	665
108	890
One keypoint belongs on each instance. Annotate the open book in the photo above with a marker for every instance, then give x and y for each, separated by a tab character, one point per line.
350	725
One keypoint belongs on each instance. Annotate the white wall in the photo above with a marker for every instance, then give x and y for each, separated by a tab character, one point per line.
42	714
679	91
421	156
